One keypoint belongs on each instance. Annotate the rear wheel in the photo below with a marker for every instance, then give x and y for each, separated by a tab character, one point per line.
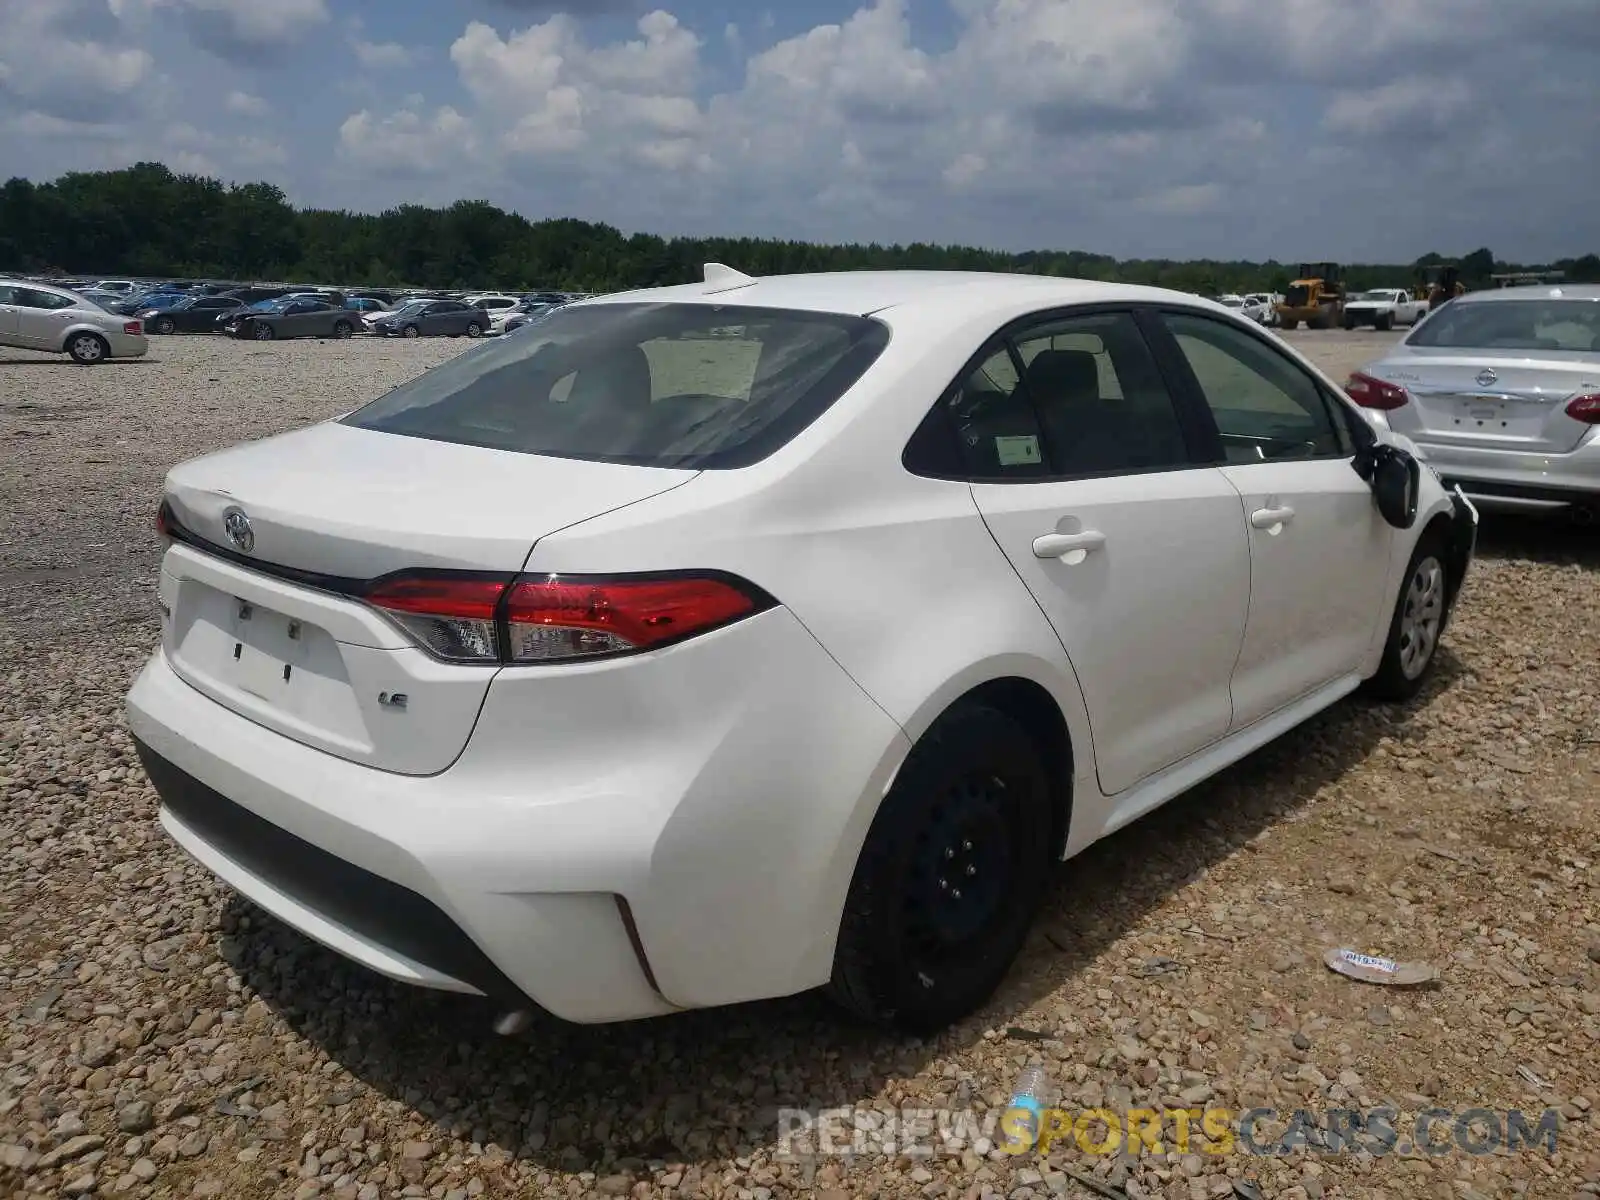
1289	324
474	329
1413	641
88	348
953	870
342	329
166	325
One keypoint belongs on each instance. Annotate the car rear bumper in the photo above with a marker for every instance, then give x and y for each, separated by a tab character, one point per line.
608	846
1515	480
126	345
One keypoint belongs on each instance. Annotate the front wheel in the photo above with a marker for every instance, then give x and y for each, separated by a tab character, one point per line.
411	331
1413	641
262	332
87	349
1384	323
954	868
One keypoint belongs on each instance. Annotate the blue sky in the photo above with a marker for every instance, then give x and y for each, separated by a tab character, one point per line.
1363	130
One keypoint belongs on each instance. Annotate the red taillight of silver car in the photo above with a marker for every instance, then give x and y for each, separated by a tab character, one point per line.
1370	392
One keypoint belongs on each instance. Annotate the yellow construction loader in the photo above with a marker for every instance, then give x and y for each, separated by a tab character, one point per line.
1316	297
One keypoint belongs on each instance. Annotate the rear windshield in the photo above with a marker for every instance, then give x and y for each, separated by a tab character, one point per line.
1562	325
696	386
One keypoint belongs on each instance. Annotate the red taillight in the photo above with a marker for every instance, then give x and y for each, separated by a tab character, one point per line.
559	618
453	616
133	327
1585	408
1375	393
163	521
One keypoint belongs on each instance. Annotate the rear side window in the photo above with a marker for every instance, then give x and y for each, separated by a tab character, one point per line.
694	386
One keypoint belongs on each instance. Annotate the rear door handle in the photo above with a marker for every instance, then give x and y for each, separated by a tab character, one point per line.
1058	545
1266	518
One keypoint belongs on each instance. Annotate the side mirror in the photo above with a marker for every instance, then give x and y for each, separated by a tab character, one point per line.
1395	478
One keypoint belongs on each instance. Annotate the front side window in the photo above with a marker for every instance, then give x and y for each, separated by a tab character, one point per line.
1264	405
694	386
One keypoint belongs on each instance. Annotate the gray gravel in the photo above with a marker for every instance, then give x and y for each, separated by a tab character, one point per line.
163	1038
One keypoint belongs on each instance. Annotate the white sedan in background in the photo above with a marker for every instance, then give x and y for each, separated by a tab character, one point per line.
758	635
1500	392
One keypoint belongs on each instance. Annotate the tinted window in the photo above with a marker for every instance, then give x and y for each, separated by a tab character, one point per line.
996	428
448	306
30	298
1513	325
1265	406
1102	404
673	385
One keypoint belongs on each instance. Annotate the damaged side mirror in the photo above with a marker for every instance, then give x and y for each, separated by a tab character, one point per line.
1395	477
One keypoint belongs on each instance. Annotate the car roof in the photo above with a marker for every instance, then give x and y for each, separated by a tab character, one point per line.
1537	291
866	292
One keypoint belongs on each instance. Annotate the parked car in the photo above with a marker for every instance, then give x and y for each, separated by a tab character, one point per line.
130	305
193	314
524	316
1500	391
36	316
433	318
1383	308
491	302
365	304
599	722
122	287
289	318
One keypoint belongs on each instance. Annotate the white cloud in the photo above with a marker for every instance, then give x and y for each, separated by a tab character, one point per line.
383	56
247	31
65	58
405	141
1127	126
247	105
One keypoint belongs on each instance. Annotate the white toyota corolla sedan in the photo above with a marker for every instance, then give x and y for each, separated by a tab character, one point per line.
724	641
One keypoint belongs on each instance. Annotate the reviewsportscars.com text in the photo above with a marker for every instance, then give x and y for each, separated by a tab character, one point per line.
944	1133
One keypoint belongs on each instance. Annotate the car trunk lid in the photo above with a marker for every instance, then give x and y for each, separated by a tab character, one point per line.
1492	402
269	621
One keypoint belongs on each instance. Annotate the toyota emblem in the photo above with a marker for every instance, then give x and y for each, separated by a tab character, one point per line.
237	526
1487	377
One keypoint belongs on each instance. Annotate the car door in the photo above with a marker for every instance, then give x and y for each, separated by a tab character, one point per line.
1319	550
1085	469
445	318
8	316
205	311
42	318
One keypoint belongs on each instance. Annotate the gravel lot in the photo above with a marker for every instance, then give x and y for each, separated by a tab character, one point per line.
162	1038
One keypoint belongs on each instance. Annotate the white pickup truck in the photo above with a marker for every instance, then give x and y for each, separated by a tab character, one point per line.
1383	308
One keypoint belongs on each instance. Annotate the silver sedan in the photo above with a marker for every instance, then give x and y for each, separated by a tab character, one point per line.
36	316
1500	390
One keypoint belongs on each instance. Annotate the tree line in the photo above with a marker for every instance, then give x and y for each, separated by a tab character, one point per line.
147	221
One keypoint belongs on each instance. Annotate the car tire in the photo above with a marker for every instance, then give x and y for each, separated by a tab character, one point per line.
971	803
1383	323
261	331
1412	644
86	349
165	325
474	329
411	331
342	329
1288	324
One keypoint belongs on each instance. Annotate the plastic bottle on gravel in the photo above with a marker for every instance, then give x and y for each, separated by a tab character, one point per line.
1030	1096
